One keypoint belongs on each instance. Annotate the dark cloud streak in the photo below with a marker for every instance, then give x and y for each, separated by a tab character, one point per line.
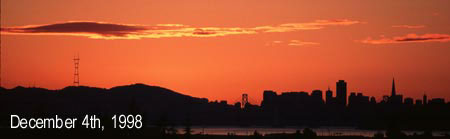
203	32
420	39
410	38
106	29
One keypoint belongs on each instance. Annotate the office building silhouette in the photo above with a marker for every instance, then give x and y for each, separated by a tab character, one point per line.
341	92
329	96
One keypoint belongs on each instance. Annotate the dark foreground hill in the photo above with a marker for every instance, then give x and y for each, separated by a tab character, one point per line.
157	105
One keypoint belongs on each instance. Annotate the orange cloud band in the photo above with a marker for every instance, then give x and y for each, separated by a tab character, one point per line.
102	30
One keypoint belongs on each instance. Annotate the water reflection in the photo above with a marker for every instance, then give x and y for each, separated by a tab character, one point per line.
322	131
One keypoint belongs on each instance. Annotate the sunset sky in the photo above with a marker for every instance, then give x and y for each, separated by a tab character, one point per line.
219	49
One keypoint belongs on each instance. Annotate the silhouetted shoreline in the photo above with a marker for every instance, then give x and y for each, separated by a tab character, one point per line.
158	132
163	108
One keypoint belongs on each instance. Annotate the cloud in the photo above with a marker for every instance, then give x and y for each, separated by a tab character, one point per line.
291	43
277	41
409	38
203	32
104	30
171	25
301	43
318	24
409	26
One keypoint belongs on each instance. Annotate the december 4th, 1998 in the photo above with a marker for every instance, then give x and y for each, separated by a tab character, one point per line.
89	121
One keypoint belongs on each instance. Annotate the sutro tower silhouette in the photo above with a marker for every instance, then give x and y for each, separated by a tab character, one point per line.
0	49
76	78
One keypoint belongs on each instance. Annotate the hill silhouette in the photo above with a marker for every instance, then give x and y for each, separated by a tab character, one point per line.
155	103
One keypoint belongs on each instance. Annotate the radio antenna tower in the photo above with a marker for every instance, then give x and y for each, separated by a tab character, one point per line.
76	78
244	100
0	48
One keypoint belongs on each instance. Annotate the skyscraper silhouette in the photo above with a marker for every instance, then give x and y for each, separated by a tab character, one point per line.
393	93
341	92
425	99
328	96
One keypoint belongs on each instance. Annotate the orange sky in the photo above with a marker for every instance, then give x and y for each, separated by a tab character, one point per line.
221	49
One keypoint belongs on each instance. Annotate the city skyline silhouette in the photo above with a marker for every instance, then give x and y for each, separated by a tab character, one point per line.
324	96
159	105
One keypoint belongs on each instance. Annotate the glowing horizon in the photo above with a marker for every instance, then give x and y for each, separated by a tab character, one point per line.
221	49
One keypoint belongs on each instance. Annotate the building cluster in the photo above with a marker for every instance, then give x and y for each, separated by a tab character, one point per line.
397	99
341	99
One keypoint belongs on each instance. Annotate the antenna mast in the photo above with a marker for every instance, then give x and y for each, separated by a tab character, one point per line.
244	100
0	47
76	78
